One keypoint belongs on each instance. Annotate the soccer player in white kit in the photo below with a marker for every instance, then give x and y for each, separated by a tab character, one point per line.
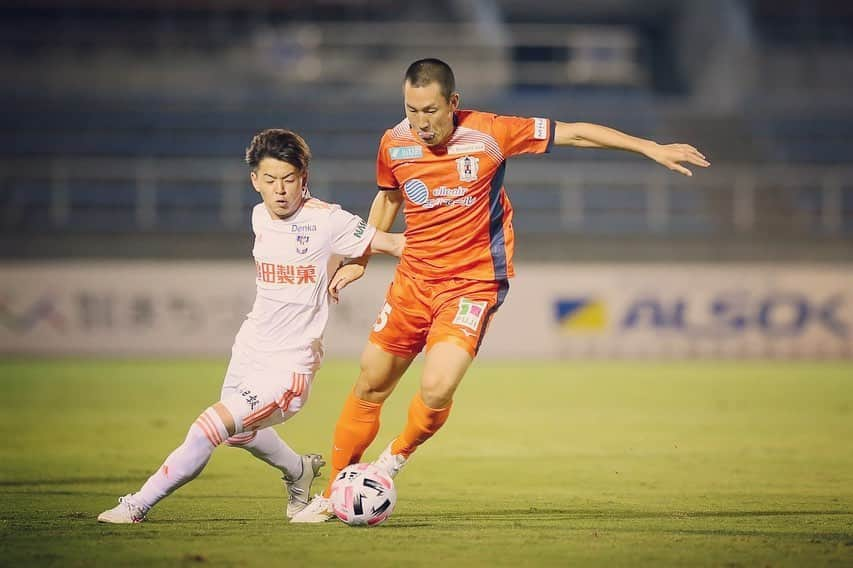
279	347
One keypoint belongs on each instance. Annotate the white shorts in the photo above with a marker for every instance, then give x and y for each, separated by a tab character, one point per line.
262	389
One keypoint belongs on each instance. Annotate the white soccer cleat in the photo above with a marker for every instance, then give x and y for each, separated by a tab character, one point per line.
126	512
299	489
390	463
319	510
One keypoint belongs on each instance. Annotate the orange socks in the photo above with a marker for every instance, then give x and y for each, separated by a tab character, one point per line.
355	430
422	424
359	423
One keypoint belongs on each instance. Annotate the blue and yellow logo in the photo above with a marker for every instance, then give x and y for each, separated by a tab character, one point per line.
581	315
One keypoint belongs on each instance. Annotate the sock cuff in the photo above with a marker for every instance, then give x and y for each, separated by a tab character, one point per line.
241	439
211	425
419	400
364	406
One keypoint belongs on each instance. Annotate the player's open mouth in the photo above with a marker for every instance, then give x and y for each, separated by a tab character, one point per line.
426	136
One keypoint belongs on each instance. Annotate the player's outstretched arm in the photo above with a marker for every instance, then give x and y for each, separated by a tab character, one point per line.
586	135
383	211
388	243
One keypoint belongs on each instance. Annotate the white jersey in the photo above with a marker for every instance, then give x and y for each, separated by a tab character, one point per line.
292	273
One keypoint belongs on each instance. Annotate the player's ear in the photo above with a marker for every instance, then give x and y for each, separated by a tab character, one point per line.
253	175
305	193
454	101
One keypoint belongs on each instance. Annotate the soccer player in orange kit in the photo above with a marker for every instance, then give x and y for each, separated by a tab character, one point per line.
447	165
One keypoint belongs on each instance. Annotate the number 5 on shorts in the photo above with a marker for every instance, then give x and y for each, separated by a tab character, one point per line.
382	319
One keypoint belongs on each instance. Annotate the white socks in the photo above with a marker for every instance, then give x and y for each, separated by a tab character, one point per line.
207	432
267	446
186	462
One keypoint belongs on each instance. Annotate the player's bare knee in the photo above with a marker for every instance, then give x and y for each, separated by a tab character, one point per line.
371	390
437	393
374	384
226	417
379	373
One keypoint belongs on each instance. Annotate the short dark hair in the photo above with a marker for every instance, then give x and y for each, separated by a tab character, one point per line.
281	144
425	71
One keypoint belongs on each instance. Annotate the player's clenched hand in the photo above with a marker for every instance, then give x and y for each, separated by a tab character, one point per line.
344	276
673	155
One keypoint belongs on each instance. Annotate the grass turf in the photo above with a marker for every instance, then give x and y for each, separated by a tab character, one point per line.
717	464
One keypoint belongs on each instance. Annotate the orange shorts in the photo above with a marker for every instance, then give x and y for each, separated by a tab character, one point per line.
420	313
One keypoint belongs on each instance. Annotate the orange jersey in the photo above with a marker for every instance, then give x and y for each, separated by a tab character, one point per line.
458	215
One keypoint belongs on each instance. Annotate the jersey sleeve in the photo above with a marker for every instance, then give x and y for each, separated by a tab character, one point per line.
351	234
384	176
517	135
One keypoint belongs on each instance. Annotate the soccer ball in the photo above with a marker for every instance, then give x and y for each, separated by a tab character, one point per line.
363	494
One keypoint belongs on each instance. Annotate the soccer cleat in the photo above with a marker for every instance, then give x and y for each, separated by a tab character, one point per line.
126	512
390	463
299	489
319	510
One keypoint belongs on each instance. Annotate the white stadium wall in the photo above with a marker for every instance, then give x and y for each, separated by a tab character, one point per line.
582	311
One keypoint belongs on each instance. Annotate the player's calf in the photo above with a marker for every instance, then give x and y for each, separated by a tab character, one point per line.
183	465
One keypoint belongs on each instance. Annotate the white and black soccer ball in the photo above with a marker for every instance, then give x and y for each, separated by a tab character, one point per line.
363	494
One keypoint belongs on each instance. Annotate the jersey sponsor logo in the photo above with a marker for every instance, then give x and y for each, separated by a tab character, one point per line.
302	244
468	166
443	191
417	191
419	194
540	128
359	229
466	148
470	313
406	152
273	273
465	201
307	228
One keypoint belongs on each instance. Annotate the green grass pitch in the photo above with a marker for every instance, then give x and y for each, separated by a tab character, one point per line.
582	464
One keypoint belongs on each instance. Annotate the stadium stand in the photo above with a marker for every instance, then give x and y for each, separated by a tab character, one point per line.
127	120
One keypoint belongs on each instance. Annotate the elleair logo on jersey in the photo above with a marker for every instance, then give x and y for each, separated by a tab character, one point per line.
419	194
417	191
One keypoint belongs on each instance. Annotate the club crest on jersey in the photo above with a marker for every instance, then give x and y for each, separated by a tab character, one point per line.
302	244
467	166
470	313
